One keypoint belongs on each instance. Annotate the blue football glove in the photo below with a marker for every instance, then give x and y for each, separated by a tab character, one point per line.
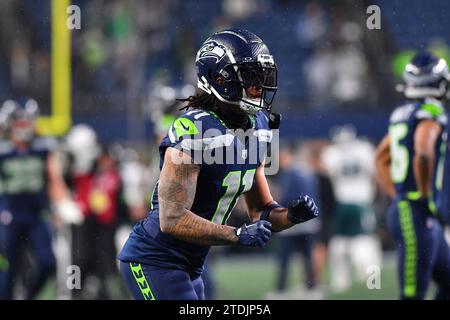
254	235
302	209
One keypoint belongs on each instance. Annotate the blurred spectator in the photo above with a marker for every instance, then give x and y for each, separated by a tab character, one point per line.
312	24
20	66
337	74
319	77
239	9
350	66
124	44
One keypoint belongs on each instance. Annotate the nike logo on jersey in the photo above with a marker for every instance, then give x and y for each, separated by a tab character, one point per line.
184	127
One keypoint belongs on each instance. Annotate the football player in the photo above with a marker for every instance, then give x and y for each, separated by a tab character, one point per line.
30	179
409	162
353	247
164	255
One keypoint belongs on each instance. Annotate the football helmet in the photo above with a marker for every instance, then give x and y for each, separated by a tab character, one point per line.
17	119
82	144
426	76
231	63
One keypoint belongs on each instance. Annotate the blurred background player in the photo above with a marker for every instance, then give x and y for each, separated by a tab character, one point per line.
327	202
135	179
102	211
293	178
409	163
109	184
97	181
353	246
31	182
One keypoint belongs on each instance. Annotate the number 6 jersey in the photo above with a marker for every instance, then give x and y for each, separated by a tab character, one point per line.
402	126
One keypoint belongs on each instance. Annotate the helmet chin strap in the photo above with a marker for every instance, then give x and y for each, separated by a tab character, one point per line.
249	108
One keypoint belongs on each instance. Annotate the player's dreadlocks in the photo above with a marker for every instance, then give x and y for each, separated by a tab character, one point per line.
200	101
209	102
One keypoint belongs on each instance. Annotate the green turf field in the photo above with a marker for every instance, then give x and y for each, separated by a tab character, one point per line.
240	276
253	278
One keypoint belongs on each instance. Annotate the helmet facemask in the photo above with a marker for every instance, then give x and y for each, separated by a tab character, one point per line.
262	79
237	68
20	121
22	130
426	82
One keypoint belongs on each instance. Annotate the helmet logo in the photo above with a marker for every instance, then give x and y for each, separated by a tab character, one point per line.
211	50
266	59
225	74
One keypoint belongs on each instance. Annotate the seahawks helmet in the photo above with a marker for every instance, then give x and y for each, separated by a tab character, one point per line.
426	76
231	61
17	118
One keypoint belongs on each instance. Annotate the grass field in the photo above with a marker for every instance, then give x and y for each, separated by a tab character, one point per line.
253	277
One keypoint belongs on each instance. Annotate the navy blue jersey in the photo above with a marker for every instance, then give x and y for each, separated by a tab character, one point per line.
403	124
227	167
23	176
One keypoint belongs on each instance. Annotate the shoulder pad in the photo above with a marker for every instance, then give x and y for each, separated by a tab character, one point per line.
194	123
432	111
402	113
44	144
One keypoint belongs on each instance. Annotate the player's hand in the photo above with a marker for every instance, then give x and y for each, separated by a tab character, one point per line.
254	235
68	212
302	209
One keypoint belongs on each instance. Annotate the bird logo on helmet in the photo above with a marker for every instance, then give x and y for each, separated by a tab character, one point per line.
426	76
231	62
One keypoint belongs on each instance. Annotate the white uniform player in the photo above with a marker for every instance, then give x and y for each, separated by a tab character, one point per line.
353	246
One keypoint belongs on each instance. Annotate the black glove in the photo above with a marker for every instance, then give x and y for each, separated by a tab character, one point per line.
274	120
302	209
254	235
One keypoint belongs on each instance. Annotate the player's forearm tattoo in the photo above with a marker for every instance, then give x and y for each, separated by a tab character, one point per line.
176	193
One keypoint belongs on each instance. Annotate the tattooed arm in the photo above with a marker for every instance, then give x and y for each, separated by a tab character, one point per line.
176	192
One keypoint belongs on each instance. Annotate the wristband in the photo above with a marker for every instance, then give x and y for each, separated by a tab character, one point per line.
268	209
